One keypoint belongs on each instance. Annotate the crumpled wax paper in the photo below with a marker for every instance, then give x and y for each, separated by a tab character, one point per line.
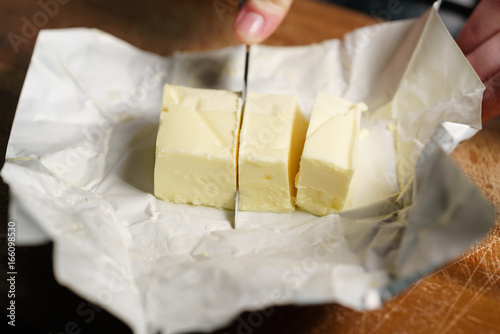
80	164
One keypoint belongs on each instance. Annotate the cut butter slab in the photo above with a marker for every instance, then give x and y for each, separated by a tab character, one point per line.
329	155
271	138
196	146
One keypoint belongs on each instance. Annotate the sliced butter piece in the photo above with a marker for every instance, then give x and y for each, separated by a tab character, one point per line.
328	159
272	138
196	146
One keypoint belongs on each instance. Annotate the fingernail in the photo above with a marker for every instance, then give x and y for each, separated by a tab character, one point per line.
250	25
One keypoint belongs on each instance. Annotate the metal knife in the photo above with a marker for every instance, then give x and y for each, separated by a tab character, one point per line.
244	99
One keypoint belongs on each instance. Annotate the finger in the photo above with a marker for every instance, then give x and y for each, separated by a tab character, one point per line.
482	24
257	19
486	62
485	58
491	98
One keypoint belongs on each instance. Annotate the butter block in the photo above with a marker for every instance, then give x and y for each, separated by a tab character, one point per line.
196	146
272	137
329	156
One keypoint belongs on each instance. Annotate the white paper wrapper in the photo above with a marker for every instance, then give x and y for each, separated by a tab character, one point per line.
80	165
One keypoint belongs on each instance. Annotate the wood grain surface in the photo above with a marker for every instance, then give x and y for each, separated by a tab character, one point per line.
462	297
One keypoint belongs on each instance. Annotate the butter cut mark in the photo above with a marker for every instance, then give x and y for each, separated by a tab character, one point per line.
218	126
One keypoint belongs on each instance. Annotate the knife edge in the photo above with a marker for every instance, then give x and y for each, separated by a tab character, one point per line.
243	99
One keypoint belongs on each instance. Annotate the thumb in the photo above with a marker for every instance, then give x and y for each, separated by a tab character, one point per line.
258	19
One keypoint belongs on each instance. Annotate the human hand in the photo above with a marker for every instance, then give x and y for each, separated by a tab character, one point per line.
480	42
258	19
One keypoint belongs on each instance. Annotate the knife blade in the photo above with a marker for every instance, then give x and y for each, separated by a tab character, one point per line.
244	99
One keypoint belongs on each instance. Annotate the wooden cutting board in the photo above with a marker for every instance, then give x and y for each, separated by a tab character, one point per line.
463	296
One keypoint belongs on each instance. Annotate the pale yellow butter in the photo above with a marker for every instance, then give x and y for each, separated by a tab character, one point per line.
196	146
328	160
272	138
